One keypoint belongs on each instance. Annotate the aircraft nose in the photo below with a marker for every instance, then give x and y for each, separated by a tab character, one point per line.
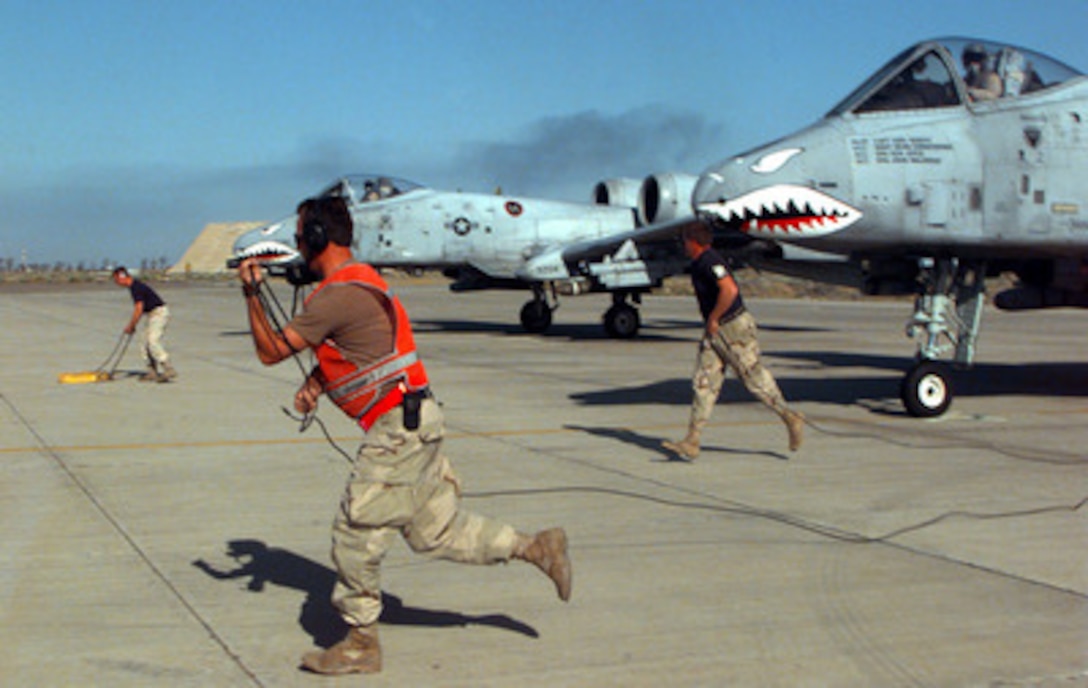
709	195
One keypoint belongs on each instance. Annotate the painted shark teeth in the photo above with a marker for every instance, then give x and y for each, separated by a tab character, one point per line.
267	251
783	211
272	245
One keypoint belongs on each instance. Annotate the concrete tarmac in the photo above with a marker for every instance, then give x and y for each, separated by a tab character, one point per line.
177	534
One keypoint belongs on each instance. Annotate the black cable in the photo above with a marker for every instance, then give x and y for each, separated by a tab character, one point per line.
275	324
124	339
1056	459
276	330
785	519
778	517
307	420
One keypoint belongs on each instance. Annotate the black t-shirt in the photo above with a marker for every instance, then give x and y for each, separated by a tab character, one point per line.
145	294
706	270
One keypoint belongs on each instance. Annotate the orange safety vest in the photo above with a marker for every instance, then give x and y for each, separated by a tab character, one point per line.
356	389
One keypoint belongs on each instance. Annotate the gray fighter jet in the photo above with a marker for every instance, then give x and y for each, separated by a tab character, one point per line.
957	160
486	241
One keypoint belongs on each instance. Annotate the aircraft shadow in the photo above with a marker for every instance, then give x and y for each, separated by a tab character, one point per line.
1059	378
877	392
262	565
677	392
573	332
792	329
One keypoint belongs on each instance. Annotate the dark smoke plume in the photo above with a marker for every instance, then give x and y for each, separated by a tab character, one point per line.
562	157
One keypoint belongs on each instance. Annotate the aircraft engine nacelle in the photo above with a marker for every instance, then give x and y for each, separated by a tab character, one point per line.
622	192
665	197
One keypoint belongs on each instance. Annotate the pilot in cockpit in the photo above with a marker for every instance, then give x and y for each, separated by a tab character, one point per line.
369	192
386	188
982	82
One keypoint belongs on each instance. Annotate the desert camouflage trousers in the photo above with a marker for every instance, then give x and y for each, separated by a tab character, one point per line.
735	346
403	485
154	353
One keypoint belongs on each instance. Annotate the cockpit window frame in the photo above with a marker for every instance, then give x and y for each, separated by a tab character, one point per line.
871	85
355	187
907	88
1052	73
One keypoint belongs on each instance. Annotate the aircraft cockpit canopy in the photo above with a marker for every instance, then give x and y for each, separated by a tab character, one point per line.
366	188
951	71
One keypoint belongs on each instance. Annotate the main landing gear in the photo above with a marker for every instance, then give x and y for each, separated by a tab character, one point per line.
947	313
536	315
621	320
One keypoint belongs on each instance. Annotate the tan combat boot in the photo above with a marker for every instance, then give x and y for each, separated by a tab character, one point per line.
168	373
795	423
152	375
687	448
358	653
548	550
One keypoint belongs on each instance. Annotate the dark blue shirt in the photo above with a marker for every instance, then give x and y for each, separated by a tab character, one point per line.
706	270
145	294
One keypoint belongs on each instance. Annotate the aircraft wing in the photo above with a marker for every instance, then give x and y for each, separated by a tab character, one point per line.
640	257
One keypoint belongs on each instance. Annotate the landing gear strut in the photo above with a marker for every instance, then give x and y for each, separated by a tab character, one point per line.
621	321
946	317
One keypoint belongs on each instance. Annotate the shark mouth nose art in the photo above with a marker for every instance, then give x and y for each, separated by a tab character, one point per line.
268	245
783	211
267	252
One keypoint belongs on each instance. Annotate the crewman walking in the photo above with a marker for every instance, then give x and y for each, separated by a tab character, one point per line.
729	341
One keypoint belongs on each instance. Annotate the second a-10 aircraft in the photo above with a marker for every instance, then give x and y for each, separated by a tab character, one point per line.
482	241
924	180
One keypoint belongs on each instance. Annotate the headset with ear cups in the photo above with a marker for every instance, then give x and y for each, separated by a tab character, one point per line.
313	233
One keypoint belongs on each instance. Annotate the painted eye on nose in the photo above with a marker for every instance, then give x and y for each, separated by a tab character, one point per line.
772	162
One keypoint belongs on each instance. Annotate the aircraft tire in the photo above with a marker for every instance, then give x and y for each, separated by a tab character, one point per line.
536	316
622	321
926	390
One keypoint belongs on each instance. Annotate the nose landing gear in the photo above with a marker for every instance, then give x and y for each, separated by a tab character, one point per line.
946	316
926	390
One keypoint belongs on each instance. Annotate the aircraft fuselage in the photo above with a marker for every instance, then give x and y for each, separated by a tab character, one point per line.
927	181
491	233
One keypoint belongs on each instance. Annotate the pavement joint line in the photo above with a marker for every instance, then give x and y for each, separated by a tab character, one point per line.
132	542
135	446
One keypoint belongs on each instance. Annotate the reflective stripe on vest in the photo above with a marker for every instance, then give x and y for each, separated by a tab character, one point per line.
342	390
355	390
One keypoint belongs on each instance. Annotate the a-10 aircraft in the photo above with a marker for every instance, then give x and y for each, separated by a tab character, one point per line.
924	180
486	241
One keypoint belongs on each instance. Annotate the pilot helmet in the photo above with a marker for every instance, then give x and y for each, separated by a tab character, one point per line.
974	52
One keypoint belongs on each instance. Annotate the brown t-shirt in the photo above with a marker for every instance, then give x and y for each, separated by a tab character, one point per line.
359	320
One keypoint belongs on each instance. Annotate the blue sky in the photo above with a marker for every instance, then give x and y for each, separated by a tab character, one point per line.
128	125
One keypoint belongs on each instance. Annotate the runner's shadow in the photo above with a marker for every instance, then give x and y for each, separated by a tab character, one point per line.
262	565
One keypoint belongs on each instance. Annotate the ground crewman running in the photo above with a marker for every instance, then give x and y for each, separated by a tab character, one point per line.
401	483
